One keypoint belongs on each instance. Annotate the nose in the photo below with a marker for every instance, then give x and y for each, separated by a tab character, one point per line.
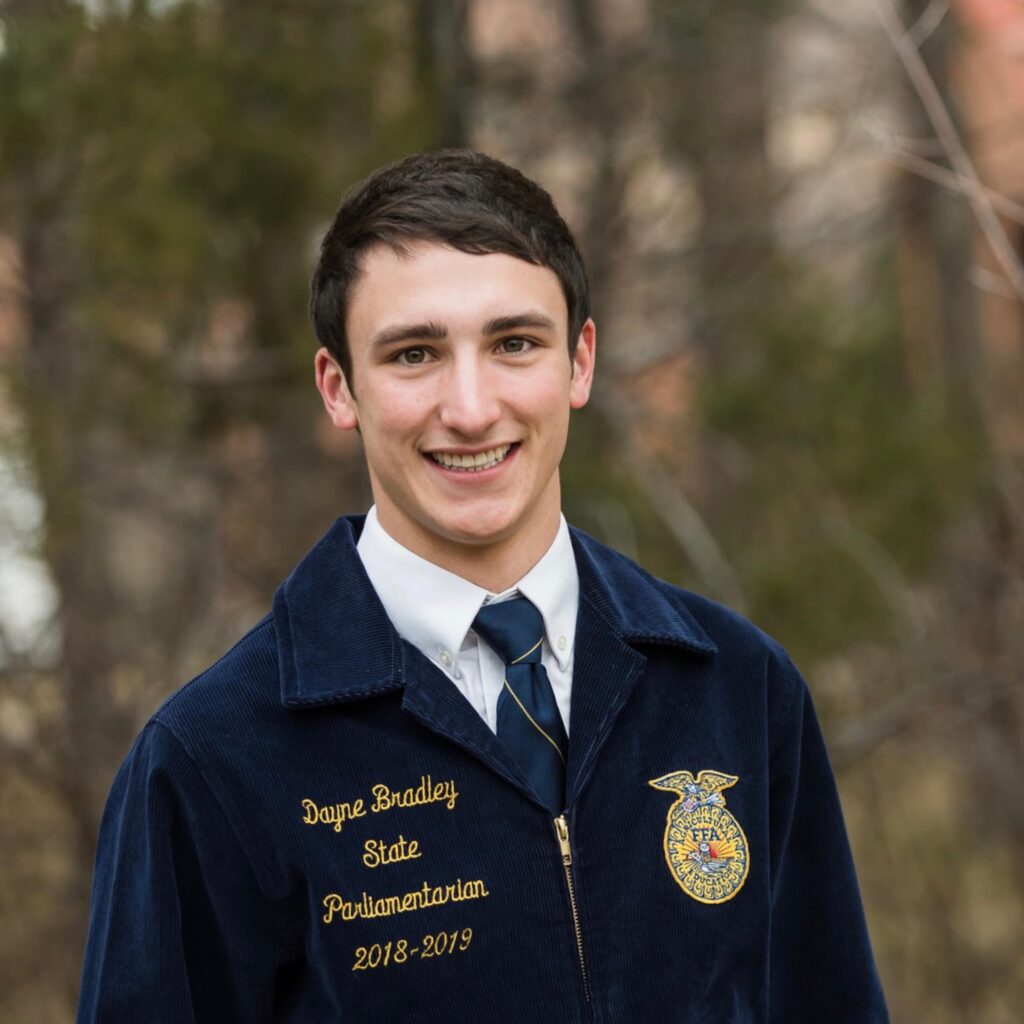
469	403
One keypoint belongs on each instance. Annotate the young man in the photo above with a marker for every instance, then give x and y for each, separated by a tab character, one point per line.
475	765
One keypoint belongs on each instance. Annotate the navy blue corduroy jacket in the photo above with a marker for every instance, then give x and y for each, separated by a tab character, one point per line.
320	828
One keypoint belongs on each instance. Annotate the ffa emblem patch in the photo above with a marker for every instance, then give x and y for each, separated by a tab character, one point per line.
705	848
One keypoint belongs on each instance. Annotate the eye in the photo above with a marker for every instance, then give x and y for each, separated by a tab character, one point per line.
413	356
515	345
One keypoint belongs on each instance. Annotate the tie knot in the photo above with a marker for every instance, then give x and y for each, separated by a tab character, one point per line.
514	629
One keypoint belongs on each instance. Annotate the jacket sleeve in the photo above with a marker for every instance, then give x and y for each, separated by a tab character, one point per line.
821	966
179	930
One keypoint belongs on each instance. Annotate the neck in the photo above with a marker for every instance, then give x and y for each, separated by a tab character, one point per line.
495	569
494	565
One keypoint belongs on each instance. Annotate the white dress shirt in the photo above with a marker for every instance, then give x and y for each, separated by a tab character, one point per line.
434	610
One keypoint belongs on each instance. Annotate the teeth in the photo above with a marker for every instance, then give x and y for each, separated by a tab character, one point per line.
472	463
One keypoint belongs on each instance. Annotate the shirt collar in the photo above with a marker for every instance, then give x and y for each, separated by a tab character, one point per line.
434	608
429	606
553	585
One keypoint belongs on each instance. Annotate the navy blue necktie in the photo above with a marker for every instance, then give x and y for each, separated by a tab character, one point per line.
529	723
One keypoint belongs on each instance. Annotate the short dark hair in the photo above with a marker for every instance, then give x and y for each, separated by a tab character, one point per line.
456	197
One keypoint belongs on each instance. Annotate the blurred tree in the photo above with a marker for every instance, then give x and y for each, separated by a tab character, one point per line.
444	67
716	74
164	174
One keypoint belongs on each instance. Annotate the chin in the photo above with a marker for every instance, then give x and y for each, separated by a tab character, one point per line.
479	530
477	536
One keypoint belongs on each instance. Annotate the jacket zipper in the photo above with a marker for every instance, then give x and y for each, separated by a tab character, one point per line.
562	830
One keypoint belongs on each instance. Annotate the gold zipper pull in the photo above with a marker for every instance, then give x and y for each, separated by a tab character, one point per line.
562	828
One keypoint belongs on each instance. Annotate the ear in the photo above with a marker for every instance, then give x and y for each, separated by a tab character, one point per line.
334	390
583	366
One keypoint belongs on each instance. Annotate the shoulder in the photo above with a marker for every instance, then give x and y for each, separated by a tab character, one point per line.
644	608
745	649
729	630
203	751
242	685
639	601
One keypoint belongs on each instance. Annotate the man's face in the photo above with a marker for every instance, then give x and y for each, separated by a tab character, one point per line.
460	359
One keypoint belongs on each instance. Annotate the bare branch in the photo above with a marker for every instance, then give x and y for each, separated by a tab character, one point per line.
972	189
931	18
985	281
674	508
928	93
857	738
876	561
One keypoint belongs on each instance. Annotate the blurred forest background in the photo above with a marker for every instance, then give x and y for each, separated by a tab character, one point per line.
802	228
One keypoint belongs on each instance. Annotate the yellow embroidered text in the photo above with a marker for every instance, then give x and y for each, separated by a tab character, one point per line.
379	852
384	906
384	954
427	792
332	814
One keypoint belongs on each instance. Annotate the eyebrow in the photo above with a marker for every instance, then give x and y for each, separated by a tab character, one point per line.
518	320
430	330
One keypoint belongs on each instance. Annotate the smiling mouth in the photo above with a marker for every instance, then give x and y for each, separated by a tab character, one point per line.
472	463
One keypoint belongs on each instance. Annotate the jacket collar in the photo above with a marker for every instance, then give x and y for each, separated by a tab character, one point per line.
328	602
634	604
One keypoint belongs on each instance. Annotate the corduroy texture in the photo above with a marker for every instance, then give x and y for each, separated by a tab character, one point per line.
234	855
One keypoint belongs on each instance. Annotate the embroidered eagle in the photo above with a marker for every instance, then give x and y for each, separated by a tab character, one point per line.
701	791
